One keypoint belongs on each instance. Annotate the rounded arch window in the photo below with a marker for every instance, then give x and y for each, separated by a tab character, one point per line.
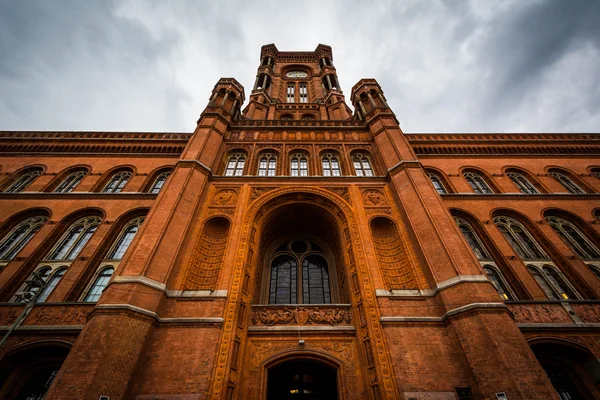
362	164
564	179
71	181
330	162
522	182
576	240
235	164
287	117
299	274
267	164
299	164
477	182
117	182
519	238
24	179
595	172
498	282
19	236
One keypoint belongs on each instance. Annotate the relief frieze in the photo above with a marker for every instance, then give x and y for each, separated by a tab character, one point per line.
302	315
58	315
540	313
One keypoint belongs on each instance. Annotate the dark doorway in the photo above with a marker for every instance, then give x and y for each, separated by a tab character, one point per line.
302	379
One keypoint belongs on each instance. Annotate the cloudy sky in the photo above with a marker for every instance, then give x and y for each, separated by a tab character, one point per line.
445	66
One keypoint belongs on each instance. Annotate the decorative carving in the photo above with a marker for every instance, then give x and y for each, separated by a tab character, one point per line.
340	191
374	197
272	315
225	197
588	313
259	191
373	211
540	313
65	315
8	315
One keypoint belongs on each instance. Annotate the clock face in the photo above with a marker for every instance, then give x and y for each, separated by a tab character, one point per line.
296	74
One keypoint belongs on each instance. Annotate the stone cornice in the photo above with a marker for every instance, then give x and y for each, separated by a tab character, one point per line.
286	124
521	196
94	135
78	196
502	137
282	179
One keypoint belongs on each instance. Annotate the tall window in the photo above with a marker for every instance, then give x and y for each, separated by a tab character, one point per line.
567	182
299	274
70	182
125	239
30	288
267	164
159	182
552	282
362	165
580	244
501	287
290	93
437	183
23	180
99	285
75	239
477	183
522	183
303	93
117	182
299	165
14	242
235	164
330	165
519	238
472	239
54	279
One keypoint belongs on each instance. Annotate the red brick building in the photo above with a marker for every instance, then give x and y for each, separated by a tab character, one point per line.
293	248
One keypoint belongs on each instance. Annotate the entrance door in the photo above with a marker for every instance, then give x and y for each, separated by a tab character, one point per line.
302	379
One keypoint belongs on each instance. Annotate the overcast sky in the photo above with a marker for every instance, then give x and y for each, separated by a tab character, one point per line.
445	66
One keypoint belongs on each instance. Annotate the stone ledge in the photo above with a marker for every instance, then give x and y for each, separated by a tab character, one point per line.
400	293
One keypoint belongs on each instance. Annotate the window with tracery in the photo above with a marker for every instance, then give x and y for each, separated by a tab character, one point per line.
267	164
522	183
362	165
55	277
23	180
472	239
331	165
303	93
552	283
437	183
235	164
287	117
299	274
99	285
299	165
498	282
117	182
159	182
70	182
567	182
45	279
125	239
19	236
71	244
519	238
478	183
576	240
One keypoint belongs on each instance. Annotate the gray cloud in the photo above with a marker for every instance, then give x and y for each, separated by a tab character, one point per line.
445	66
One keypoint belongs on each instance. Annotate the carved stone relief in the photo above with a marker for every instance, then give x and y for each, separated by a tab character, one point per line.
373	197
225	197
340	191
259	191
540	313
66	315
271	316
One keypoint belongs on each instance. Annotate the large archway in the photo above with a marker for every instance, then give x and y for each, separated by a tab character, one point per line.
302	378
573	371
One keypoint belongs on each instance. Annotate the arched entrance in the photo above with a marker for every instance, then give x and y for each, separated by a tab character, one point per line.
302	379
572	370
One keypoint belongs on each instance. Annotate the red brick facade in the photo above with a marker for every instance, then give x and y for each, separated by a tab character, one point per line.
295	249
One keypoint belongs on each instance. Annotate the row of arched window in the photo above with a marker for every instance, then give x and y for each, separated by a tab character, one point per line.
539	263
56	262
297	164
481	183
70	179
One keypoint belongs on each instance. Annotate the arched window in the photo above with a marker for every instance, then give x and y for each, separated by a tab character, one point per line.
522	182
117	182
573	238
437	183
544	284
14	242
519	238
477	183
362	164
567	182
23	180
54	279
494	276
125	239
299	274
595	270
596	172
472	239
235	164
287	117
159	182
30	288
299	165
267	164
564	290
70	182
99	285
330	164
75	239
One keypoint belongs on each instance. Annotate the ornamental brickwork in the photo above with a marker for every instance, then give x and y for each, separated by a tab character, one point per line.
293	248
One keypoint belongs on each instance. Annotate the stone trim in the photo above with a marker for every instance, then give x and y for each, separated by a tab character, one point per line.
448	314
156	317
79	195
430	292
404	164
573	326
189	294
196	164
303	328
520	196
